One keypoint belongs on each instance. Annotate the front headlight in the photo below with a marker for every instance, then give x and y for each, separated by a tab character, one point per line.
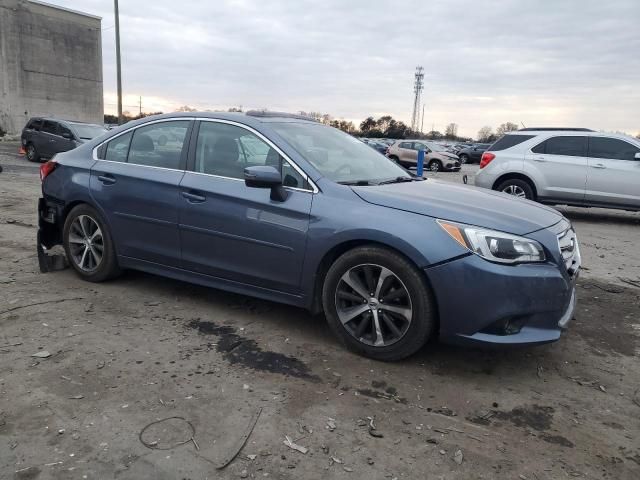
495	246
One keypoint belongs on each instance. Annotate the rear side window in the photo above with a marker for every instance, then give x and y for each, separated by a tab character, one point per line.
118	148
602	147
405	145
509	141
50	127
569	146
35	124
159	144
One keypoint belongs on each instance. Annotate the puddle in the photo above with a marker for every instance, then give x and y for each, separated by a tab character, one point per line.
239	350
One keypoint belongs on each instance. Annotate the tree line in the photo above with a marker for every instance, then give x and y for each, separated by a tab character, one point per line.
384	127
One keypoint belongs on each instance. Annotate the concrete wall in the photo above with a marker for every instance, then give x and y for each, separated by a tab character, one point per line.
50	64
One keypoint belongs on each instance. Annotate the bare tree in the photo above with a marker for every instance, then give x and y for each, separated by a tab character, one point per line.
506	127
451	131
186	108
485	134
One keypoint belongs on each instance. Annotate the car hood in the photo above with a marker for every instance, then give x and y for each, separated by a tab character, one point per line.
463	204
444	155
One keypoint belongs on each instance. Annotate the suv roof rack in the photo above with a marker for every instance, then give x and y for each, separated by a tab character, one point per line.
554	129
266	114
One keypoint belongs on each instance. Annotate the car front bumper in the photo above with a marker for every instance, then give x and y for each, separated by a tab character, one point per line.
484	303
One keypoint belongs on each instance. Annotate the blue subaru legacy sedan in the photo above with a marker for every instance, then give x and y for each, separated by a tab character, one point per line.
286	209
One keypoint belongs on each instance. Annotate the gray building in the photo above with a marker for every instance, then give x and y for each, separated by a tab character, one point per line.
50	64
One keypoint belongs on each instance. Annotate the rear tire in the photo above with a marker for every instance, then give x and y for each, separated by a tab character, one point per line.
32	154
464	158
88	245
518	188
401	307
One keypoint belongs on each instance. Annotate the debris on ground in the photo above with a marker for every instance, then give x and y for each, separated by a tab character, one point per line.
242	441
372	429
331	424
41	354
290	443
458	457
76	397
336	460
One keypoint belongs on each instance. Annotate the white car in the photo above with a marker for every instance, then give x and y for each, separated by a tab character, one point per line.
565	166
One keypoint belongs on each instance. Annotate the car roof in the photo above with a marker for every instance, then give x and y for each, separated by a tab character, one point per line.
571	132
55	119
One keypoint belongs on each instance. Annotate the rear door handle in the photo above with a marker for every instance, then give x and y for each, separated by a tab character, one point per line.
193	197
539	159
598	165
107	179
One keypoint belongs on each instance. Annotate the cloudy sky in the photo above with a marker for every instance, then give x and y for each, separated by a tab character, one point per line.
543	62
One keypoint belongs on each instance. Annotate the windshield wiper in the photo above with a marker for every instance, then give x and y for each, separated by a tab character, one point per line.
360	183
396	180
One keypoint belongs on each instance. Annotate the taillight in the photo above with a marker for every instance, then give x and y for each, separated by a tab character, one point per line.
47	168
486	159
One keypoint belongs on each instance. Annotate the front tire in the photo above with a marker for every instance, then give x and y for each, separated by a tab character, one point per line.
435	166
518	188
32	154
378	303
88	245
464	158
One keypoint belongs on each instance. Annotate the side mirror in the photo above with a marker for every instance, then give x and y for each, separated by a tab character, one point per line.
67	135
637	156
266	177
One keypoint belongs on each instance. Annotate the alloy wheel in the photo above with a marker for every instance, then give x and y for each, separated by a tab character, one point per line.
31	152
434	166
86	243
373	305
515	190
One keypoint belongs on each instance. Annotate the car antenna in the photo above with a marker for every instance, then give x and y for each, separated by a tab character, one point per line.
523	126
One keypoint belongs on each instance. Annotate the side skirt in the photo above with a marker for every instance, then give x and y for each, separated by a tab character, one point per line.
213	282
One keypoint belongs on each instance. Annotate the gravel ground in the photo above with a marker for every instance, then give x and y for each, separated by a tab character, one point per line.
128	353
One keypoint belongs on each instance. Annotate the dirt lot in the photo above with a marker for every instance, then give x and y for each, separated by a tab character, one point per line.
140	349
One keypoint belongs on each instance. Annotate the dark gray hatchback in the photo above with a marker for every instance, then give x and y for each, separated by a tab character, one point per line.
43	137
291	210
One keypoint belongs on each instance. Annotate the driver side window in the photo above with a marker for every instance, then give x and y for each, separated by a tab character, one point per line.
225	150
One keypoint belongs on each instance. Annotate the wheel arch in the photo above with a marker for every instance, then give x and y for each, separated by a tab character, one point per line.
518	176
337	250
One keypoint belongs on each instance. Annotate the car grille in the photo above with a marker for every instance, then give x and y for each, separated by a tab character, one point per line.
570	251
457	164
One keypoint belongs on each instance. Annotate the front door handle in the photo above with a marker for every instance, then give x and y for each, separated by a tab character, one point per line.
106	179
193	197
598	165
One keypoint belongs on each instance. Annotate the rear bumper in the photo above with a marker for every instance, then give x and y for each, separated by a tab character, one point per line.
483	303
484	179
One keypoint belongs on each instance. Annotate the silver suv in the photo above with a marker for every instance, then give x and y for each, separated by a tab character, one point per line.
566	166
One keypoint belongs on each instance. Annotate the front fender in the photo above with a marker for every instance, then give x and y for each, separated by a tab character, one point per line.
417	237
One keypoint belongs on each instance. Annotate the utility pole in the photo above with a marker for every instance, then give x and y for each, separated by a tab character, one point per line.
418	86
118	69
140	106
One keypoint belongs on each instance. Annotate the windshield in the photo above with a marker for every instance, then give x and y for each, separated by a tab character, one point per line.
337	155
87	131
